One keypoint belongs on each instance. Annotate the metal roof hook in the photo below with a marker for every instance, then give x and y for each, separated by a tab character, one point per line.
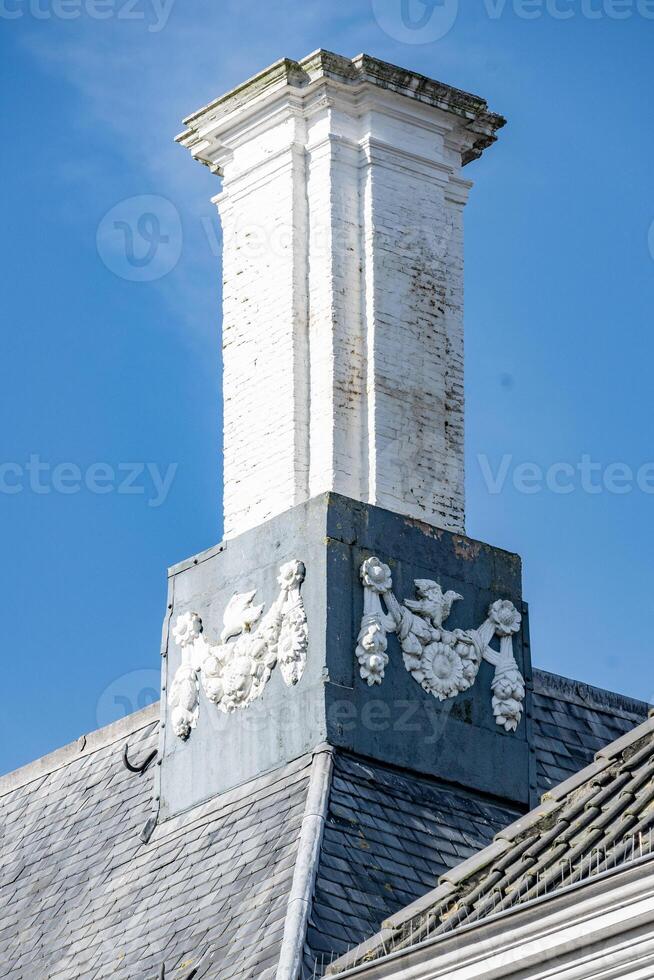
142	768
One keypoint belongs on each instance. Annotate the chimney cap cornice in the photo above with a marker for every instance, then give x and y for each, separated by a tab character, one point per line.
359	71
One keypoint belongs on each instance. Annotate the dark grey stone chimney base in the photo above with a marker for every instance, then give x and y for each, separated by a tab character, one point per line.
395	722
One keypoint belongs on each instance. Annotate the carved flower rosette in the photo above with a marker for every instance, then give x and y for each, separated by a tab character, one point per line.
234	672
445	663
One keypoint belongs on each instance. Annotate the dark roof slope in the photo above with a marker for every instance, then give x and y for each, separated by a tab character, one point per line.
388	836
82	897
598	820
572	721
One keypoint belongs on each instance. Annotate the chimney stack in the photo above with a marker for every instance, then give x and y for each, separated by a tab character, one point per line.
342	215
345	605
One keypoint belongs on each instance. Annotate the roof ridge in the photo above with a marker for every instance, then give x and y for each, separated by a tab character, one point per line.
586	695
85	744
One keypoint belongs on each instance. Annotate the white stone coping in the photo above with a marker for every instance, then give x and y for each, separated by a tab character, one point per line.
362	69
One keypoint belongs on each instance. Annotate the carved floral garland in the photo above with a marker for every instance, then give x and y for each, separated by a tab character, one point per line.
234	672
444	662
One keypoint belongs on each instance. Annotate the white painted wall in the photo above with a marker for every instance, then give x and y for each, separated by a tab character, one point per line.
343	293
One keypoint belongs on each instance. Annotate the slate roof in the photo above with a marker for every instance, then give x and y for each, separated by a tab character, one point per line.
572	721
598	820
398	834
388	836
81	896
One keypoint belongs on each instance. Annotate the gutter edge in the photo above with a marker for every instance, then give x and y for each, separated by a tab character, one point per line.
306	865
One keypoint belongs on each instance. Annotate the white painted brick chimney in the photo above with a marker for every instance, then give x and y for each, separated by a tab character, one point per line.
342	214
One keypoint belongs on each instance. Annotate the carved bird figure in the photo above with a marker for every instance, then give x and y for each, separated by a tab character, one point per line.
432	604
240	615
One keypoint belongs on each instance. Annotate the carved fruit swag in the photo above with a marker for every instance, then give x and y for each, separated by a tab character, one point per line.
444	663
234	672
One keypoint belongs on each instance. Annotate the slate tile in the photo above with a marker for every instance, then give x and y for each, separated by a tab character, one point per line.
107	906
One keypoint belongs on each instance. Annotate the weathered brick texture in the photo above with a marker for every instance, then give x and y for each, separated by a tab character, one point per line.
343	286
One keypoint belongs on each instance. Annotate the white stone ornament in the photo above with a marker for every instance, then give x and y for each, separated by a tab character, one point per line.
234	672
445	663
184	700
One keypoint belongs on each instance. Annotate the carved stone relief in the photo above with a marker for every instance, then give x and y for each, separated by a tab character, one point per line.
235	671
444	663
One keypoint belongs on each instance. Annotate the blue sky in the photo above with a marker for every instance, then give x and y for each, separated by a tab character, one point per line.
114	383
